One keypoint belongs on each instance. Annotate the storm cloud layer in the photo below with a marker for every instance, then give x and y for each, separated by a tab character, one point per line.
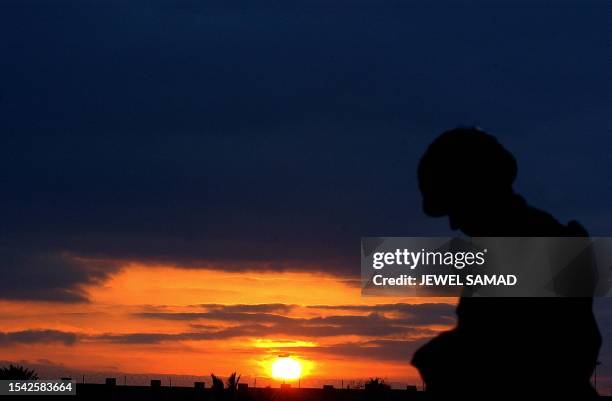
272	136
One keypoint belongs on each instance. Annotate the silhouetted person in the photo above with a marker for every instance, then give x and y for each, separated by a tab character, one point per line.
501	347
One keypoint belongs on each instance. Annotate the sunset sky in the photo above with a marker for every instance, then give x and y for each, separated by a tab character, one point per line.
185	183
158	319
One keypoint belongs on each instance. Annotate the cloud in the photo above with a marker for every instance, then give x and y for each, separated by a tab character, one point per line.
217	315
37	337
150	338
372	325
420	314
374	350
254	321
402	314
367	327
30	274
246	308
412	320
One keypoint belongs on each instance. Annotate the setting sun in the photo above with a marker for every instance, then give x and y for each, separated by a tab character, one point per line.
286	368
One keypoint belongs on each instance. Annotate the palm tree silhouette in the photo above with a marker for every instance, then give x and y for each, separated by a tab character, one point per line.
13	372
225	391
232	384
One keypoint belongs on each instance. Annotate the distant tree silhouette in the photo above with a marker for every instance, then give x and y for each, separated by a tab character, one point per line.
225	391
376	384
232	383
375	388
13	372
217	387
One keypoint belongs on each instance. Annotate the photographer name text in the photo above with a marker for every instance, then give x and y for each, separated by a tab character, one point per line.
450	280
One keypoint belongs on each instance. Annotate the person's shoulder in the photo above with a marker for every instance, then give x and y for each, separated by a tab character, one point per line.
549	226
575	229
541	223
546	225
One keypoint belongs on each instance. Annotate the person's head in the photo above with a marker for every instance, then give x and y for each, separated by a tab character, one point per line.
463	174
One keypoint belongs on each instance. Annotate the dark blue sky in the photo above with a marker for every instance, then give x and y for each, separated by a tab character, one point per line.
184	130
